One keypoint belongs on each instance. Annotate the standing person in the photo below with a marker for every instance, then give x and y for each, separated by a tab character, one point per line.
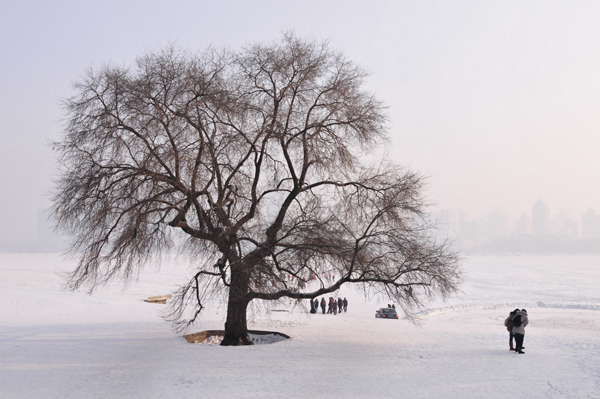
345	305
323	305
330	306
520	321
509	326
314	305
335	307
340	305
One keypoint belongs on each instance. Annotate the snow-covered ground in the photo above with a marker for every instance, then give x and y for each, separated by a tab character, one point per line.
58	344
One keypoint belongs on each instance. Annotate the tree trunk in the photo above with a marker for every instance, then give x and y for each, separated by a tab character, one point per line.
236	329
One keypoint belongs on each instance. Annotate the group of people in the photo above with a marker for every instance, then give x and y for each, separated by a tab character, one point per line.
334	306
515	323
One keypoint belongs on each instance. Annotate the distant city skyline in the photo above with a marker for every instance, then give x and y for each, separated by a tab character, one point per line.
540	220
495	224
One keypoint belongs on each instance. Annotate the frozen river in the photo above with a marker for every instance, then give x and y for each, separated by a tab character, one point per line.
58	344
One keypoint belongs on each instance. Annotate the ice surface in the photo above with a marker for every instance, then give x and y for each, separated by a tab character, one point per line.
58	344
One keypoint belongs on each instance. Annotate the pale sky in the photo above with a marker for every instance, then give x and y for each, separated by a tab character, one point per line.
498	102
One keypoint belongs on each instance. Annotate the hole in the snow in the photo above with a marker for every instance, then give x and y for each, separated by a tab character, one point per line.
214	337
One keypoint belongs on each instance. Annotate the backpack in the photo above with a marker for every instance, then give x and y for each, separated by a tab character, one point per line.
516	321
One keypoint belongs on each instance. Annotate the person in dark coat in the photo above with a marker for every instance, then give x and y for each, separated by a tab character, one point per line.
330	306
340	305
519	331
314	305
323	305
509	326
335	306
345	305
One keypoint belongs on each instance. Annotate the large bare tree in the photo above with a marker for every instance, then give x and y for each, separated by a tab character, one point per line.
257	157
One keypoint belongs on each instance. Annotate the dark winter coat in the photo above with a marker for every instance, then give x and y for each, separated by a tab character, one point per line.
524	322
508	322
314	305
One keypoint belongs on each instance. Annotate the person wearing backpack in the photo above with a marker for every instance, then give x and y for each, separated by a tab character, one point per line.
509	326
519	322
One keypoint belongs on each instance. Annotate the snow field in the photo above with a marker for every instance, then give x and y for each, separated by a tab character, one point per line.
57	344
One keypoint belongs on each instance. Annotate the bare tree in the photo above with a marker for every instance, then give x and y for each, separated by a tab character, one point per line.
257	157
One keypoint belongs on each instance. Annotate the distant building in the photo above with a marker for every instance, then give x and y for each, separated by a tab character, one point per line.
494	225
468	228
590	224
564	226
448	223
570	229
523	225
540	220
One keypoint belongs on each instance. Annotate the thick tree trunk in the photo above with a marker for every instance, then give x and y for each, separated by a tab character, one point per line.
236	329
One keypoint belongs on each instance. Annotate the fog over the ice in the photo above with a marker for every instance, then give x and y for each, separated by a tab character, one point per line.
498	102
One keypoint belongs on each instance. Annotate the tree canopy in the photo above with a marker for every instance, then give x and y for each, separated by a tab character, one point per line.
254	157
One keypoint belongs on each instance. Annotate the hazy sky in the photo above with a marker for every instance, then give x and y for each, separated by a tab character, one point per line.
498	102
